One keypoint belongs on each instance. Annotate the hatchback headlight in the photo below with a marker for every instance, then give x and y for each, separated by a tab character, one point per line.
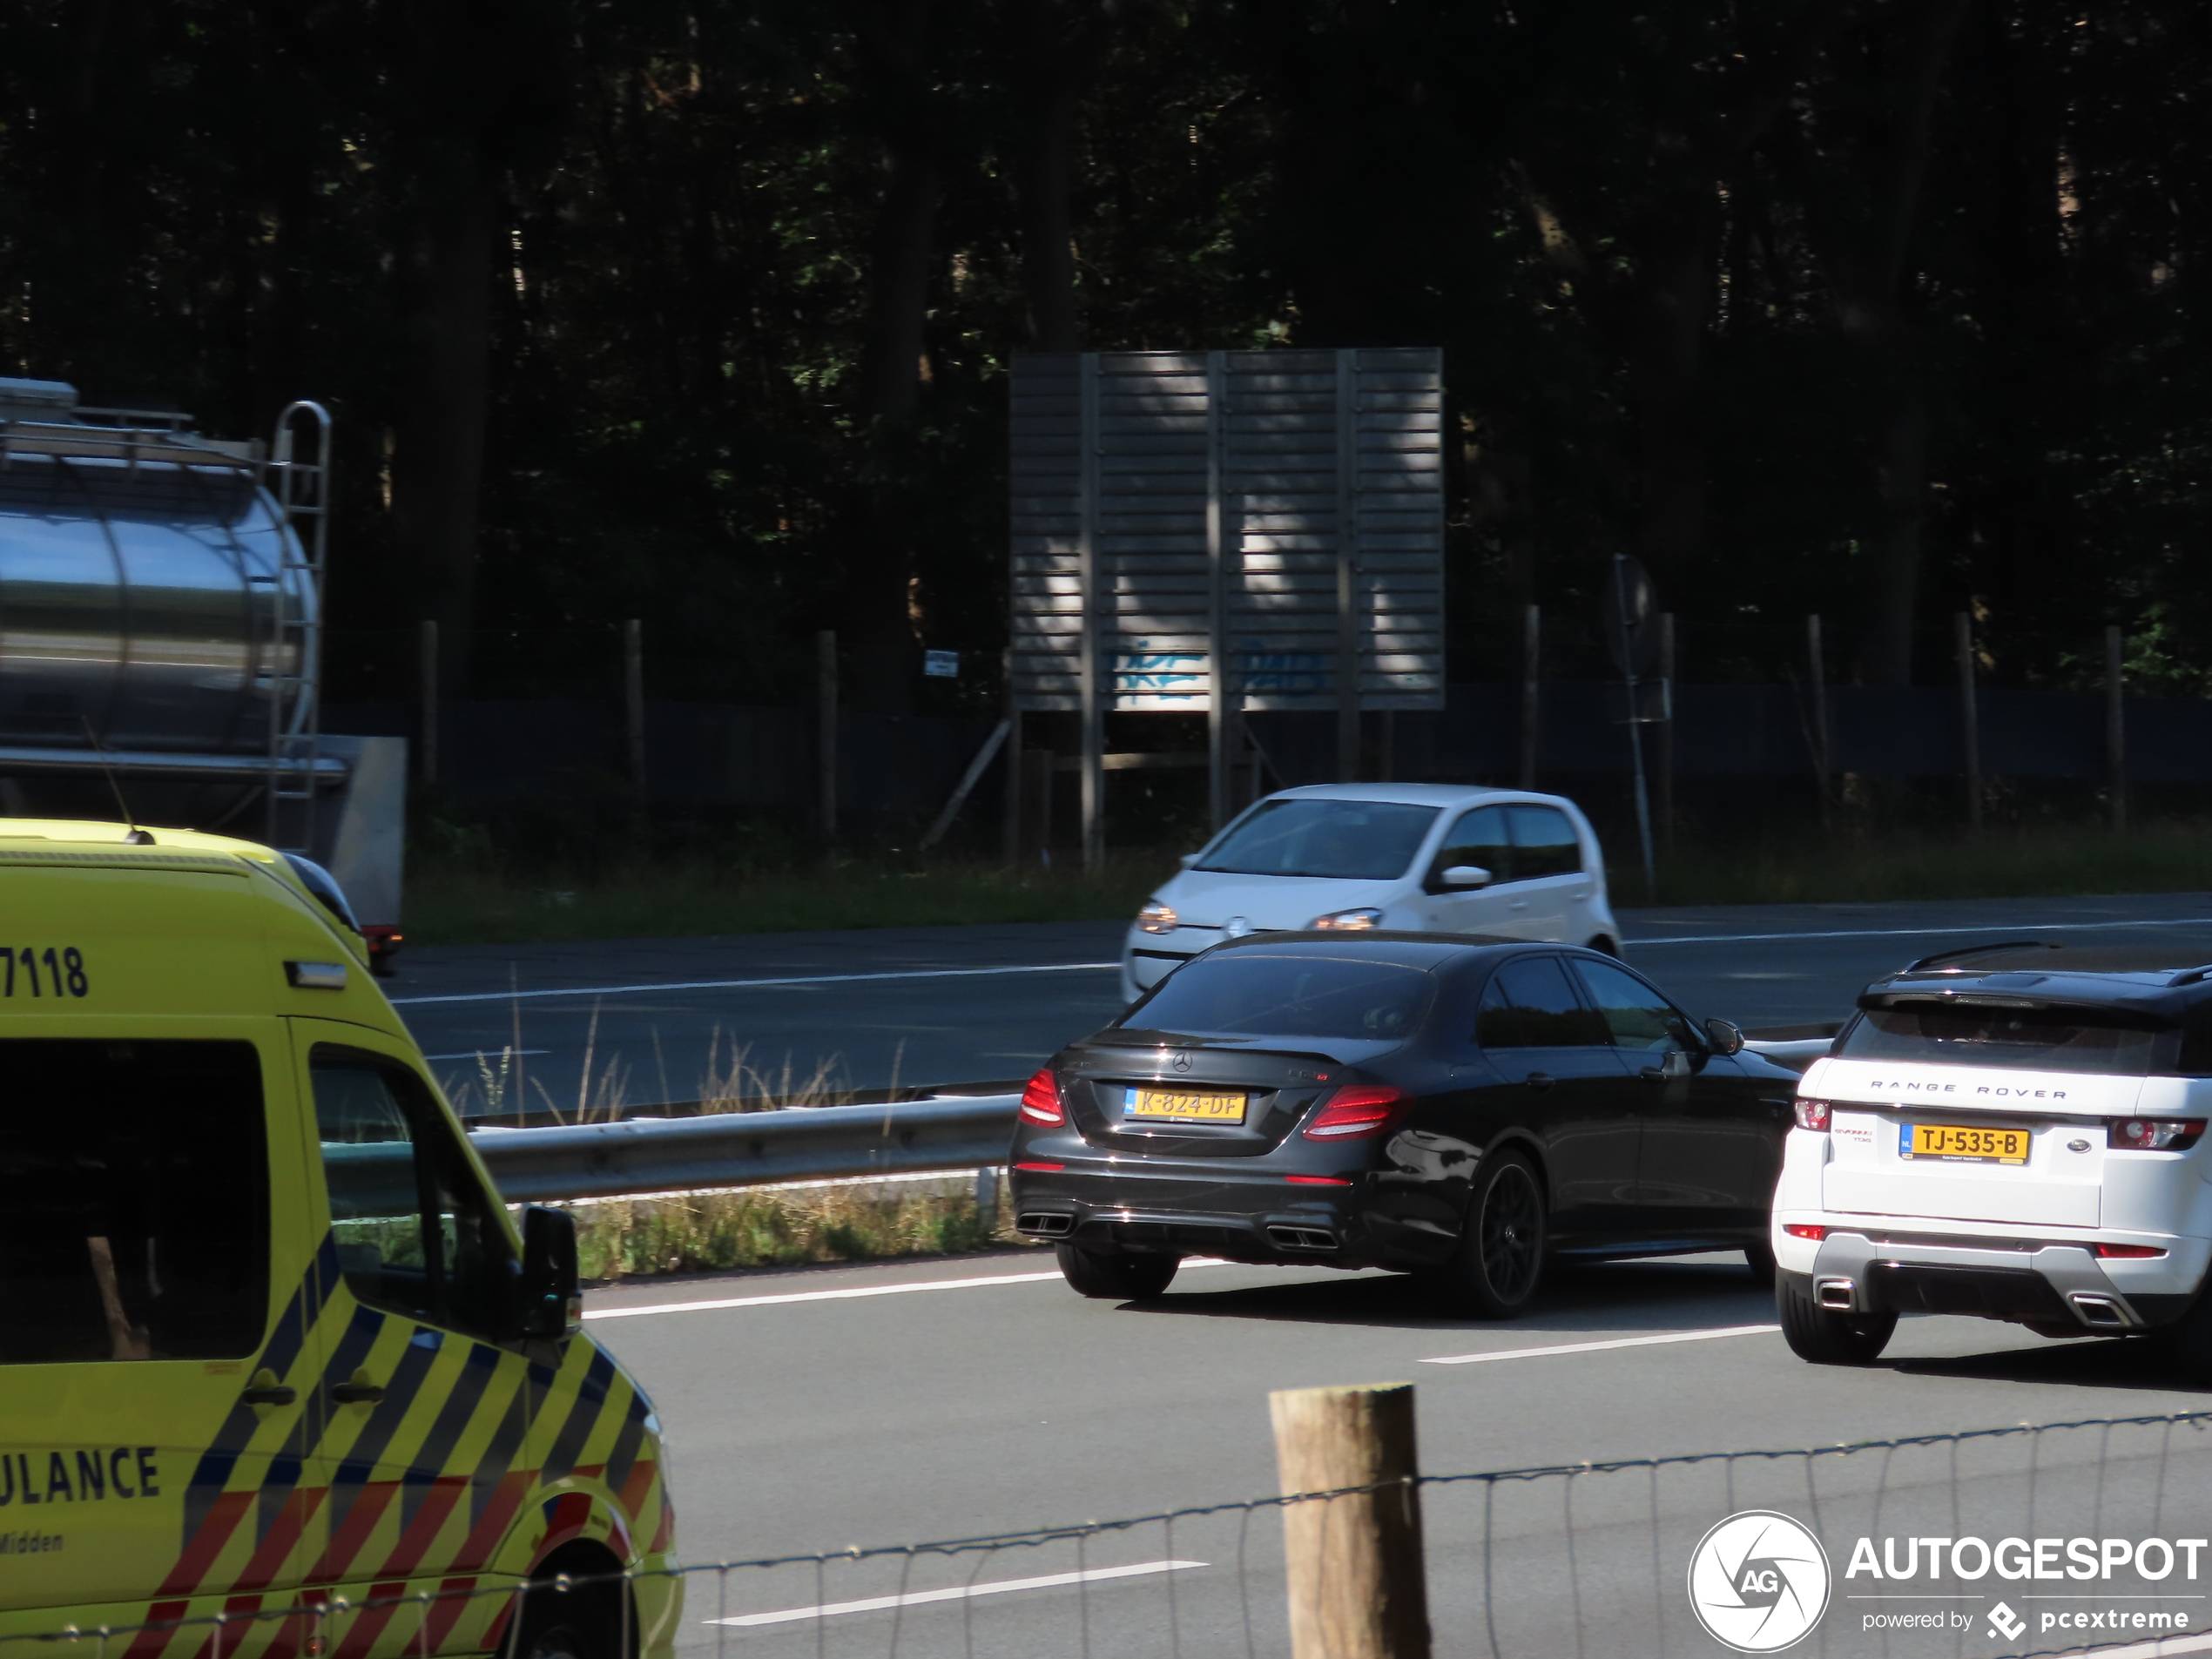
1156	918
1348	921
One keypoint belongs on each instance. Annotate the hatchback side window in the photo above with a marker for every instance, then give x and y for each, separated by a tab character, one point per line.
1636	1016
1479	838
1530	1005
134	1200
1544	843
415	1233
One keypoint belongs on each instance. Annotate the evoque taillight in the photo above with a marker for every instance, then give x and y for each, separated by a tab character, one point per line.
1813	1115
2154	1134
1040	1100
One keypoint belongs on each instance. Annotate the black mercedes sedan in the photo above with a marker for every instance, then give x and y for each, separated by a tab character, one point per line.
1461	1107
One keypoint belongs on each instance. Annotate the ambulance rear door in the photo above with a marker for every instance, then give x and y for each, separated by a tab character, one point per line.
159	1293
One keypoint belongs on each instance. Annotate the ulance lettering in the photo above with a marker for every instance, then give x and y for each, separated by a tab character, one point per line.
78	1477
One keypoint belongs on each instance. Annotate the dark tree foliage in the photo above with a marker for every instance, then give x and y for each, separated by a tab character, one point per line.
701	313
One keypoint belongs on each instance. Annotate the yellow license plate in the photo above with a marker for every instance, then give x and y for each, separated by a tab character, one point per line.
1184	1106
1956	1144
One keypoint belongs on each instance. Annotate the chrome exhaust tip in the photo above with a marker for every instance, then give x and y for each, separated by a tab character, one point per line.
1837	1295
1045	1223
2100	1312
1301	1238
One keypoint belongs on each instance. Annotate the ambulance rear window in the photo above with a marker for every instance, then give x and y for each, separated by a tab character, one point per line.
134	1201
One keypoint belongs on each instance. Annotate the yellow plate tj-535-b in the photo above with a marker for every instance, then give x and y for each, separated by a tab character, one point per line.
1956	1143
1185	1106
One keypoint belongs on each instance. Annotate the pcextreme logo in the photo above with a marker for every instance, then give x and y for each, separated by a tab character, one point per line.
1759	1581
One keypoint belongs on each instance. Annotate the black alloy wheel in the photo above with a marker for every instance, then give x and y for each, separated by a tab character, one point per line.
1827	1337
1494	1272
1116	1274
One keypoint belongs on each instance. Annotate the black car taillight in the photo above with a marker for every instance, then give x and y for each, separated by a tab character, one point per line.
1040	1100
1356	1112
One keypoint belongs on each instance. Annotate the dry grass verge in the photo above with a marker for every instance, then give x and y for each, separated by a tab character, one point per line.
784	1227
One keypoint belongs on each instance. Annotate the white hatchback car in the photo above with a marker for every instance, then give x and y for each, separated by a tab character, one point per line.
1427	858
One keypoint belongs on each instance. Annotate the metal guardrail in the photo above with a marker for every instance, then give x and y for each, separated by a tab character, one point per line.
795	1143
747	1148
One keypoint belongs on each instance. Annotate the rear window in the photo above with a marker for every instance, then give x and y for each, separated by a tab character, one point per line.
2032	1039
1254	995
1370	841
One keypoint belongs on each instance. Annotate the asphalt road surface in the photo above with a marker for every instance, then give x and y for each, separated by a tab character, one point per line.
646	1021
922	1401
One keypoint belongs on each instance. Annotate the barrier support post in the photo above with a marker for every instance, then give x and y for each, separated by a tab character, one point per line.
2116	725
1357	1585
1962	628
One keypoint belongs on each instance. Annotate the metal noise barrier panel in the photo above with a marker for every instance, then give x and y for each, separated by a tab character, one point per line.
747	1148
1989	1542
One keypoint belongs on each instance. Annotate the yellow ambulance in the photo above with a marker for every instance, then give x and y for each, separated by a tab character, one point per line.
279	1376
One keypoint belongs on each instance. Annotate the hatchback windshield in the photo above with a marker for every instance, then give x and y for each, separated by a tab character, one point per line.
2033	1039
1371	840
1254	995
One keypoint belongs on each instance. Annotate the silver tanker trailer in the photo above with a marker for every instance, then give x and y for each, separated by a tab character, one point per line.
161	635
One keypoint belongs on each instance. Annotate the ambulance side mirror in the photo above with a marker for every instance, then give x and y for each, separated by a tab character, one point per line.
552	1301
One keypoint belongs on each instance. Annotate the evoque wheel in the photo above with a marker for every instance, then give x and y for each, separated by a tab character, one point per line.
1115	1275
1499	1262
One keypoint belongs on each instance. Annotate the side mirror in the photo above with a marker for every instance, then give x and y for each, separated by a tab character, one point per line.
1188	859
551	1299
1726	1036
1466	875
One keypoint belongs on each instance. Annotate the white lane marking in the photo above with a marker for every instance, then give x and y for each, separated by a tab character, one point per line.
1913	933
745	984
997	1587
853	1293
1596	1348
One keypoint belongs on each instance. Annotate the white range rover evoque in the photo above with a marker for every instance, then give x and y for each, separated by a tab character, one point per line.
2015	1131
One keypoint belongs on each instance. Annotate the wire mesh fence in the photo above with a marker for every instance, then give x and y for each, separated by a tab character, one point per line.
2092	1536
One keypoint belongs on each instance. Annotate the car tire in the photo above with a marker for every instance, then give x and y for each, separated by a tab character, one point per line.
1115	1275
1760	1259
1496	1271
1824	1337
582	1622
2189	1339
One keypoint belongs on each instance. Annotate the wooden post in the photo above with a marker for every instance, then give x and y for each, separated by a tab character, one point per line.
1665	762
1012	842
633	705
1962	628
826	729
1095	666
1816	679
1357	1587
1532	644
1348	618
2116	725
1225	699
428	755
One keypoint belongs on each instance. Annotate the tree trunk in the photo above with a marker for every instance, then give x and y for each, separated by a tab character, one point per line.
879	553
1057	60
1866	272
1673	310
437	462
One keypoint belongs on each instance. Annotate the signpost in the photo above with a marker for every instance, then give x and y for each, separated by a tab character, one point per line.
1217	532
1631	608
